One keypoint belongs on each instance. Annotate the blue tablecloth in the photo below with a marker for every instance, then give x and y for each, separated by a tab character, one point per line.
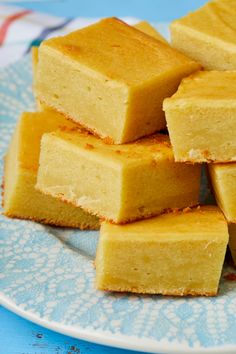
152	10
18	336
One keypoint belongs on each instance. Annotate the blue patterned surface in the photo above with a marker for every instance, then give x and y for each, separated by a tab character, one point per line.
49	273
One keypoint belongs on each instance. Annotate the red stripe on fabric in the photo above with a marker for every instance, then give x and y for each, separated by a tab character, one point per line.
8	21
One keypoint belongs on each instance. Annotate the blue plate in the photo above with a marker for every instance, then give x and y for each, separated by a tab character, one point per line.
47	275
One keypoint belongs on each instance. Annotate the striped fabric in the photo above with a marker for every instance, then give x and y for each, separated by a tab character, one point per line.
20	29
7	22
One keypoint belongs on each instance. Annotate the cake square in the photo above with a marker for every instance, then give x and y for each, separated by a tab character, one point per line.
20	198
111	78
201	117
232	241
223	180
143	26
208	35
178	254
118	183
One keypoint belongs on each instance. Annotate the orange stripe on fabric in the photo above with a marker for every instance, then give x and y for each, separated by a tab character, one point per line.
8	21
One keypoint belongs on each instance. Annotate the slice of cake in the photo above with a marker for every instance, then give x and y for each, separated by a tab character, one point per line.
179	254
232	241
208	35
118	183
223	180
111	78
20	198
143	26
201	117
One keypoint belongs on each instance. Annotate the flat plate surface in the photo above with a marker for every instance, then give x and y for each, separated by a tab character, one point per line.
47	276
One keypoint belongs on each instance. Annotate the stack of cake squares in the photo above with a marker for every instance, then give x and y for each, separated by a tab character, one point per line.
97	151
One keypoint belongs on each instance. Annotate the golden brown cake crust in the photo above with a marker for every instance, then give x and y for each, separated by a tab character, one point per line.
42	221
115	33
140	290
203	159
48	222
126	221
147	216
107	139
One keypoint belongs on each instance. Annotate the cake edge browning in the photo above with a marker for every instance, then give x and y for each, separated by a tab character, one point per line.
39	220
103	218
140	290
107	139
48	222
42	221
204	159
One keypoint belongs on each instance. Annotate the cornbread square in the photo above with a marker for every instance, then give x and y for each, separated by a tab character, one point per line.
145	27
201	117
111	78
208	35
118	183
232	241
173	254
223	180
20	198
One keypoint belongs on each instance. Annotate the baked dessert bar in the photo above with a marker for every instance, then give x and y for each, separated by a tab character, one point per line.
201	117
143	26
118	183
208	35
111	78
178	254
20	198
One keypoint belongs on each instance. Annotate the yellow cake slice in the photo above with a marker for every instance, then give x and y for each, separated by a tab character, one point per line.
178	254
143	26
232	241
208	35
111	78
118	183
201	117
21	199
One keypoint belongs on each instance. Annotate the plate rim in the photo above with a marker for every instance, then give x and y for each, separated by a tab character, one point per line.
110	339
